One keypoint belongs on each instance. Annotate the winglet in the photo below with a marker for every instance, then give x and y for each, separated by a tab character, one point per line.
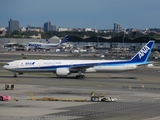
143	54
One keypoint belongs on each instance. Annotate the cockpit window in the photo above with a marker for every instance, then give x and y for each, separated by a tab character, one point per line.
6	64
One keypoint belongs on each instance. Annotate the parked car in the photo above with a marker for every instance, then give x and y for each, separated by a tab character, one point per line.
5	97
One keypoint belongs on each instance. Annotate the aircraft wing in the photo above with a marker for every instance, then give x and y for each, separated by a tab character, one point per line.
82	66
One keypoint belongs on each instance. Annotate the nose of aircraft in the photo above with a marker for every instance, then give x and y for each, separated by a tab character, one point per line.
6	66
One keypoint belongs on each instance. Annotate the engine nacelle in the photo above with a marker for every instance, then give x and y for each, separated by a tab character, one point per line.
62	72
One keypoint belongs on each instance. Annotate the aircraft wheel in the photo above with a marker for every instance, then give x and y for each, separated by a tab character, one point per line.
15	75
78	76
83	76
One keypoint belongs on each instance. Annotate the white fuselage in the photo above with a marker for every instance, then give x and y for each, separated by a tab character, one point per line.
52	65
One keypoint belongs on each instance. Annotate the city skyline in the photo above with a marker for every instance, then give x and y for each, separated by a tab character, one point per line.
82	14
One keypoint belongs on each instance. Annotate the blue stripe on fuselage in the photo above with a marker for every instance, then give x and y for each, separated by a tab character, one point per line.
118	63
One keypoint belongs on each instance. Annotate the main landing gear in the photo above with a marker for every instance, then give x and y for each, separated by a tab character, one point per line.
80	75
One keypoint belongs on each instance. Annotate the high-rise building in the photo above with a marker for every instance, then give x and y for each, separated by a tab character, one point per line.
13	25
49	27
117	27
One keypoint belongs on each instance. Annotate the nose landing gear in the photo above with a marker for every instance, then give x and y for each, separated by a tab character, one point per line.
15	75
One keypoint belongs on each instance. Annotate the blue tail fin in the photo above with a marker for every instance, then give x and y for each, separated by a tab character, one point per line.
143	54
65	39
47	41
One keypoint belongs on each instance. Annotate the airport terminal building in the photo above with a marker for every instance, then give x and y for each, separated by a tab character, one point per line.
118	42
90	42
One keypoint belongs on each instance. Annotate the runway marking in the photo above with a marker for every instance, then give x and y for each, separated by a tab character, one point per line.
129	109
154	118
105	110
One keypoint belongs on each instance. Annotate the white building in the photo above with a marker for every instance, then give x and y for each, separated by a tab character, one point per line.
88	29
91	30
23	29
36	37
62	29
1	29
35	29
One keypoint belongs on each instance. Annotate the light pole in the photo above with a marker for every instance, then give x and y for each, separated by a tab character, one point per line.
123	37
98	41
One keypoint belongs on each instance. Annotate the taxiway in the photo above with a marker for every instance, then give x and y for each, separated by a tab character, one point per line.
139	104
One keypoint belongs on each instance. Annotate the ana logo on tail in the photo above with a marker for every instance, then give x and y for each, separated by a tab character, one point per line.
143	54
143	51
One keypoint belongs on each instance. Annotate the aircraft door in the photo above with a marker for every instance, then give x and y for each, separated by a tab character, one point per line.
71	65
40	63
98	66
16	65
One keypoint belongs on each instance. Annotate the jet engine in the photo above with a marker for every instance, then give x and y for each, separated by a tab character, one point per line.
62	72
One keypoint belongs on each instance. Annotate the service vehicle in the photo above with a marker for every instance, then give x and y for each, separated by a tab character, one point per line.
5	97
101	98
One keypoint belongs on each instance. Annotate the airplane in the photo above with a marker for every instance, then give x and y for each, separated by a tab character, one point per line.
47	45
63	68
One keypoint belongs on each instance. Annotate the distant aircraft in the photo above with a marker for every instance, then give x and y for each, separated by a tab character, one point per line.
63	68
14	46
10	45
47	45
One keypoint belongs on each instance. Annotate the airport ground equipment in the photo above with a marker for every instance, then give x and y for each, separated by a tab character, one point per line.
31	96
101	98
5	97
59	99
9	86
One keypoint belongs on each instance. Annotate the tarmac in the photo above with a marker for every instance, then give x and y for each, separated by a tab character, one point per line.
137	98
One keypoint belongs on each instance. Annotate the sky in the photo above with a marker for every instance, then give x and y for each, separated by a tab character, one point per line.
99	14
